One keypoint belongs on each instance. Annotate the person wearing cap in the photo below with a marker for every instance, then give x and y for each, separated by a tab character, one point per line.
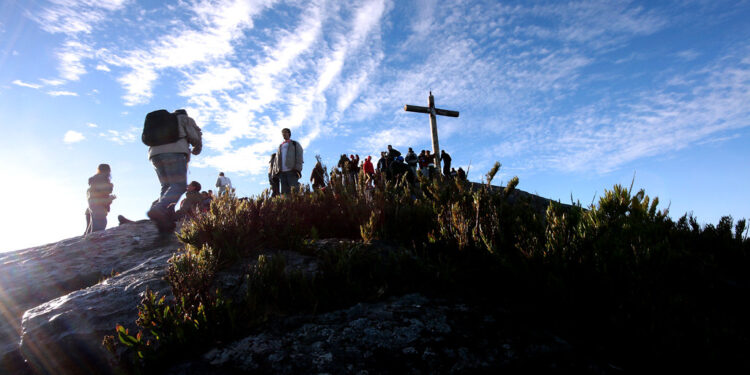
100	197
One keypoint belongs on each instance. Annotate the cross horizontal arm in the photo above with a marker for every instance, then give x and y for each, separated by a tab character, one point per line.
438	111
445	112
416	108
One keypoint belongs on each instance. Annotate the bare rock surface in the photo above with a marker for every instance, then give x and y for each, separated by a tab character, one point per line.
54	298
410	334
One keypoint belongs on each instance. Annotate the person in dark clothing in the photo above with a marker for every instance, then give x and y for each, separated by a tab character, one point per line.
399	168
100	198
273	177
446	158
461	174
206	199
382	162
318	177
422	161
392	154
353	168
344	166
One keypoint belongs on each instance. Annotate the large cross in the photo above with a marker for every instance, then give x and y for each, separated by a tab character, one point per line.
433	123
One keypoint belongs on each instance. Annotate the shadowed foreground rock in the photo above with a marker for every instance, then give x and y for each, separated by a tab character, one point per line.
410	334
59	307
55	306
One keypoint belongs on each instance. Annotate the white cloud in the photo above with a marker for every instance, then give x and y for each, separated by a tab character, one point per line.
72	136
92	125
61	93
219	23
75	16
103	68
122	137
71	57
52	82
214	79
18	82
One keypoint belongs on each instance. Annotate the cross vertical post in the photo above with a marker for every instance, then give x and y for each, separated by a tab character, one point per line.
433	112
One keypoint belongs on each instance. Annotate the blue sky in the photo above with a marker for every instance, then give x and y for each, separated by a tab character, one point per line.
570	97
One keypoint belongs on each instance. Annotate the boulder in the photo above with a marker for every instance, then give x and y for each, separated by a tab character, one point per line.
59	284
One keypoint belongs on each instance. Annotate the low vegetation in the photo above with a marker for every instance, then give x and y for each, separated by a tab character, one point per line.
620	277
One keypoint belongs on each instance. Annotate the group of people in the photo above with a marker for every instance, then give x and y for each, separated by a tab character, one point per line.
171	160
393	165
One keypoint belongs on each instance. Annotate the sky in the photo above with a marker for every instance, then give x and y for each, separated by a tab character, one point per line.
571	97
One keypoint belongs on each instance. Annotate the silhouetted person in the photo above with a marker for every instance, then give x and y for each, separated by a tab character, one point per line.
317	177
461	174
273	176
100	197
446	158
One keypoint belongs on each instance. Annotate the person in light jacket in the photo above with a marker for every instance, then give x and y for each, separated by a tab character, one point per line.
289	166
223	184
170	162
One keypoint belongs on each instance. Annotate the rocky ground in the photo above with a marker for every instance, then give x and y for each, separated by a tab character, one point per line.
410	334
61	299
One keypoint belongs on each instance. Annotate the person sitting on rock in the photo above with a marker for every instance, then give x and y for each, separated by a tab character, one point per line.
192	201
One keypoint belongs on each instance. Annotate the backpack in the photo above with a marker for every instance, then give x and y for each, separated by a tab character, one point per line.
159	128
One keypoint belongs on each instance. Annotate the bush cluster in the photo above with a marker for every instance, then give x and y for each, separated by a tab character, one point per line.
620	273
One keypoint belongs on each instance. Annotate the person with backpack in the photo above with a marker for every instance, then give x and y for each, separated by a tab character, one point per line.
223	184
289	166
100	197
170	137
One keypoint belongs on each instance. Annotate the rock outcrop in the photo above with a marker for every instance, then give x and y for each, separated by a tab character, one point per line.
60	299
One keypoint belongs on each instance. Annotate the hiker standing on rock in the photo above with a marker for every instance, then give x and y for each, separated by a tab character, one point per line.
289	166
169	137
100	198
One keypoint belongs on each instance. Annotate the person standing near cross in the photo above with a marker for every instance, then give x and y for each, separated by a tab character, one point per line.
433	112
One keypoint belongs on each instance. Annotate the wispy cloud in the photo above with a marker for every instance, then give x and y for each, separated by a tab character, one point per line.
121	137
75	16
61	93
72	136
52	82
217	25
92	125
18	82
103	68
